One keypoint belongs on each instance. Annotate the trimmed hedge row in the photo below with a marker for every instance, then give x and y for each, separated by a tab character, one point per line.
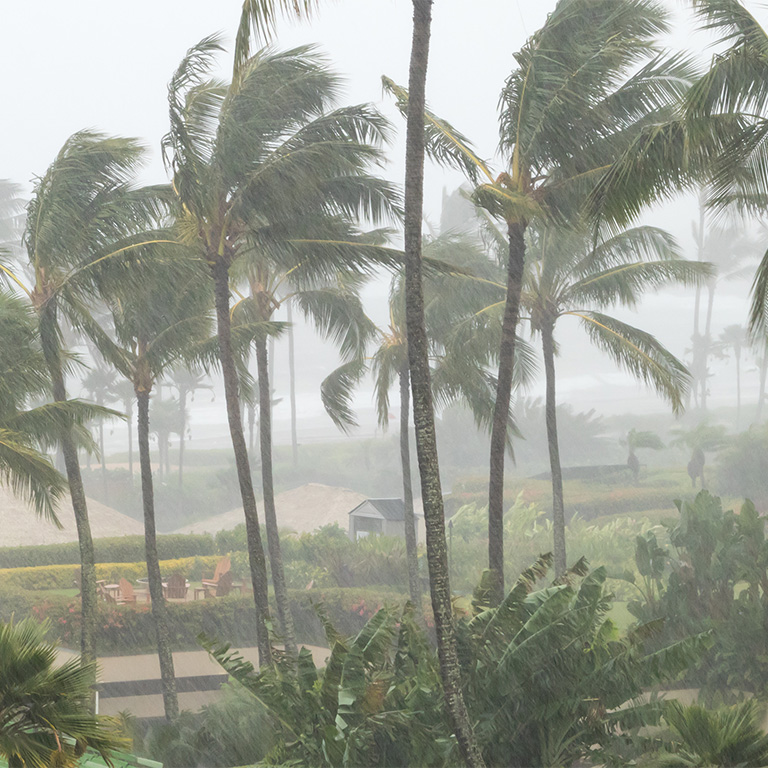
125	629
64	576
119	549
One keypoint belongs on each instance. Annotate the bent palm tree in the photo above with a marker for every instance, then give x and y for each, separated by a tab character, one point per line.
635	441
264	166
584	86
159	318
568	275
77	221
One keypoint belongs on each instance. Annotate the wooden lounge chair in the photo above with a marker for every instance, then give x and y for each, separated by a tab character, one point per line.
176	588
222	587
223	566
127	595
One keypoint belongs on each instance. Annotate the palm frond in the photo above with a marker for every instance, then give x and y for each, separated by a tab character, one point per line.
640	354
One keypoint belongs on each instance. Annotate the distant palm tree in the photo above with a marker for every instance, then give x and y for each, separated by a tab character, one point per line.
636	440
568	275
45	717
735	338
98	383
700	440
186	383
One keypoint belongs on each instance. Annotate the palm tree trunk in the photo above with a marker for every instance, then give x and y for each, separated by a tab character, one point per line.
251	427
253	534
707	340
411	544
738	387
418	357
516	232
104	484
129	415
558	512
49	337
183	421
763	377
155	581
292	383
270	515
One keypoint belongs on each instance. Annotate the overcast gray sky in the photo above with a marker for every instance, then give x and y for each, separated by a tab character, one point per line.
105	65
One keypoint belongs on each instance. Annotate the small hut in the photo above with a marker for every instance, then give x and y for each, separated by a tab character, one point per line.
377	516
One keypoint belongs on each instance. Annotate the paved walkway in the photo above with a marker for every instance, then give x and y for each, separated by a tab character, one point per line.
146	666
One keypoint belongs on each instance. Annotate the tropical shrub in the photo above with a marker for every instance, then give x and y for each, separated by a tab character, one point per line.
548	680
119	549
742	467
731	737
714	577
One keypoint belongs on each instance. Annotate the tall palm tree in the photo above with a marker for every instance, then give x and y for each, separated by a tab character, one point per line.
569	276
122	392
332	304
734	338
98	383
77	221
584	86
45	716
264	165
186	382
160	317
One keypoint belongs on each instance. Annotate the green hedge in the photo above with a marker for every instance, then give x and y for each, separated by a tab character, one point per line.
64	576
128	629
119	549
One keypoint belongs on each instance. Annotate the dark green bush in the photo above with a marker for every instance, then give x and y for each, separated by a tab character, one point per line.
119	549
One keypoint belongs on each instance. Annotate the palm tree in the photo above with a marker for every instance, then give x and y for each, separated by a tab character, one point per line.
259	16
76	223
122	392
735	338
584	87
98	383
159	318
569	276
699	440
22	376
45	716
263	166
636	440
186	383
332	304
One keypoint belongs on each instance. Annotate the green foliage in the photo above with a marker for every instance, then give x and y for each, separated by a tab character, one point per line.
119	549
714	579
742	467
232	731
45	717
731	737
126	629
547	680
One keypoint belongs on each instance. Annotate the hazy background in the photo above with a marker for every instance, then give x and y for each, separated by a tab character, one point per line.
105	65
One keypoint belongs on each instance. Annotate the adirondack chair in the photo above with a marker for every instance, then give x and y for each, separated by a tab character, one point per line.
176	587
127	595
222	587
223	566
